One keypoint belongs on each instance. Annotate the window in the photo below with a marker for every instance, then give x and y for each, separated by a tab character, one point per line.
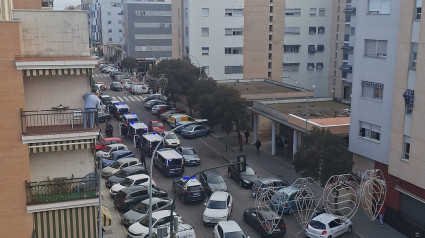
352	31
321	48
310	66
271	28
205	31
233	31
406	148
376	48
311	49
109	13
186	31
370	131
409	99
418	12
119	30
109	22
291	48
322	12
292	30
413	55
321	30
319	66
139	13
233	12
109	30
205	12
379	6
270	47
233	69
293	12
313	12
291	66
372	90
205	50
233	50
110	39
271	9
312	30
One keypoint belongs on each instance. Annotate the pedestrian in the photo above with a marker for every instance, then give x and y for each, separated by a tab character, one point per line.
279	144
124	130
109	130
143	159
246	136
258	145
381	215
90	107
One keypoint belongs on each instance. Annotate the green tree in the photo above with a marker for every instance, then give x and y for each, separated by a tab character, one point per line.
323	154
203	86
129	63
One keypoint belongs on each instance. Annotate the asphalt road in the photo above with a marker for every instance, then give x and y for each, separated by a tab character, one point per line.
192	213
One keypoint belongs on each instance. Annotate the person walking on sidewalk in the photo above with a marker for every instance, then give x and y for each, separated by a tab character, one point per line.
143	159
246	136
381	215
258	145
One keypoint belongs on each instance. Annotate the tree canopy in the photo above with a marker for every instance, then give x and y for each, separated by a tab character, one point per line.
323	154
129	63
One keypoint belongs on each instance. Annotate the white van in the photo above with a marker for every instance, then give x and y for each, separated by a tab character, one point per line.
139	89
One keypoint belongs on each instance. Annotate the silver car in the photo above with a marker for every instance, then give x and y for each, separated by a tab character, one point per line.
194	131
141	209
190	157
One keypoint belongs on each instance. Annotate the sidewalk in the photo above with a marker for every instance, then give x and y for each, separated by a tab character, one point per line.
280	166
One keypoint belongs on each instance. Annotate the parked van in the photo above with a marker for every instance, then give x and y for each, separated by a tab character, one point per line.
149	142
117	165
139	89
169	162
285	200
174	119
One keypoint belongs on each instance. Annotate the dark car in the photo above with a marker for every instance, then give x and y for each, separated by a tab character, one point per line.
266	223
212	181
116	86
116	155
190	156
128	197
103	116
124	173
155	96
193	131
105	99
87	183
149	104
245	179
271	183
192	191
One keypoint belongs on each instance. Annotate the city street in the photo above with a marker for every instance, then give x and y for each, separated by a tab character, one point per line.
210	157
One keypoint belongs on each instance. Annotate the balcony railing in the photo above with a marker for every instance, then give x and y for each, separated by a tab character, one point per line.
59	119
59	190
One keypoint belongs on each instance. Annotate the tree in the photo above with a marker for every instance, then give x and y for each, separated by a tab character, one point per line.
129	63
323	154
204	86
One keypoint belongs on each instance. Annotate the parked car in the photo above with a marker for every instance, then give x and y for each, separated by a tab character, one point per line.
245	179
102	116
108	141
128	197
226	229
212	181
193	131
328	225
87	183
157	107
117	165
192	191
107	150
170	139
190	156
155	96
128	85
116	155
105	99
132	180
116	86
156	126
141	229
267	223
164	116
165	109
283	200
108	69
139	89
271	183
101	86
218	208
153	102
121	174
141	210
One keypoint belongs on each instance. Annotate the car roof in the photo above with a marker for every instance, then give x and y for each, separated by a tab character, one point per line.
187	148
219	196
156	121
138	125
121	151
138	176
112	138
152	136
134	168
115	145
192	182
161	214
132	189
131	116
169	153
212	172
269	215
326	217
229	226
156	200
124	160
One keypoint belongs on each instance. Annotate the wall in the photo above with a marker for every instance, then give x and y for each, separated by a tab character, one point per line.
14	221
177	28
110	11
53	33
27	4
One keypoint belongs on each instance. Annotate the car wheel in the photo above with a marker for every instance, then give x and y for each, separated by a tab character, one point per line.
229	174
349	229
290	211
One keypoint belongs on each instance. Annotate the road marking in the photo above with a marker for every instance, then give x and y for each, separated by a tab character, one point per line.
131	98
125	98
141	98
120	99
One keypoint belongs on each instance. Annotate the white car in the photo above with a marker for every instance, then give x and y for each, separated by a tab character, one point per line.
328	225
106	152
156	108
133	180
218	208
141	229
128	85
170	139
226	229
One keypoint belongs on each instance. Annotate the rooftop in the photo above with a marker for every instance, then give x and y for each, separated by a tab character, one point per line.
258	88
316	110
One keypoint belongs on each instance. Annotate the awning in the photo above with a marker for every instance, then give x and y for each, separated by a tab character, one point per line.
41	72
106	216
61	146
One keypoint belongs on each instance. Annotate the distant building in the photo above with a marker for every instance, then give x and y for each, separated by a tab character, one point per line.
93	10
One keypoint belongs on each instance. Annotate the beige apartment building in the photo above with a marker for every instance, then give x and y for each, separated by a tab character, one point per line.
46	68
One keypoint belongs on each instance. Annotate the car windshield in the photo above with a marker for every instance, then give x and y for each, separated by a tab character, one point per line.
171	136
317	225
106	149
189	152
157	124
145	221
141	208
115	165
175	162
235	234
189	128
216	204
127	182
121	174
248	172
194	188
215	179
116	84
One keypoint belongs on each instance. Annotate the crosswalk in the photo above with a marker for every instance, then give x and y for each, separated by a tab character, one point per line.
135	98
101	75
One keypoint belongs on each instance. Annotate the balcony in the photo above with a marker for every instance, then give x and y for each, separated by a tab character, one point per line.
60	190
350	11
57	120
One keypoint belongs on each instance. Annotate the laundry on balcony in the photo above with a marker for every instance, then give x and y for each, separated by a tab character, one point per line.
409	96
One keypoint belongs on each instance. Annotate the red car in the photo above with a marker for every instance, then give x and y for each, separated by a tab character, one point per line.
156	126
108	141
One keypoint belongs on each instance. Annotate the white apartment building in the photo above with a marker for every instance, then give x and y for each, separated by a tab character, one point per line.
111	22
307	37
213	36
93	10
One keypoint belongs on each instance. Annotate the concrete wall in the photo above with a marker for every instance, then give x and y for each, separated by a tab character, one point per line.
77	163
53	33
14	221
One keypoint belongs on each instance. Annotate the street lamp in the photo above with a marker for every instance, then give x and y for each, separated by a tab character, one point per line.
200	69
306	96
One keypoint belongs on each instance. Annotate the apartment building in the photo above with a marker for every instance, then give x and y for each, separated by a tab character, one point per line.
386	118
45	151
93	10
307	44
147	31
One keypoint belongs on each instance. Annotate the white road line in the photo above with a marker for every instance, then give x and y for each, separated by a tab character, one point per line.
137	98
114	98
141	98
131	98
119	98
125	98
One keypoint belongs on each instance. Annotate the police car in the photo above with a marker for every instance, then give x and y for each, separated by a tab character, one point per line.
119	109
137	128
130	117
192	191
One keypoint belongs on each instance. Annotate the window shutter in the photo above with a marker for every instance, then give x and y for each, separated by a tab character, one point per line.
370	47
385	7
374	5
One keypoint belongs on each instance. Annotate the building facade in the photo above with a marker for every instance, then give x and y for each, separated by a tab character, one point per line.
386	120
93	10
